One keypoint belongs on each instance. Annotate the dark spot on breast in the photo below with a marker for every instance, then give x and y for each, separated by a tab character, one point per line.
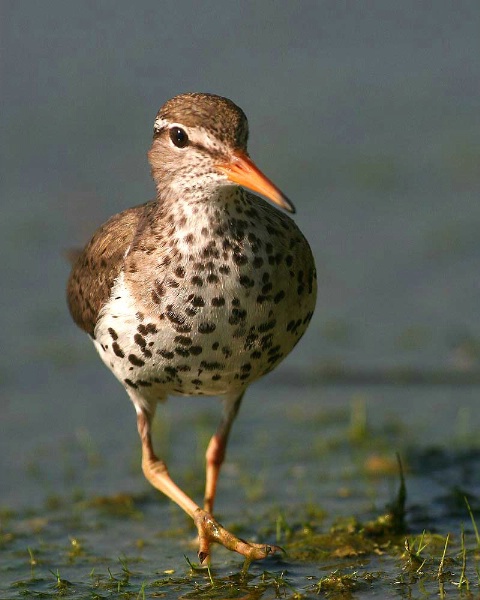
159	288
226	351
272	230
275	358
266	341
117	350
196	280
274	350
196	350
215	345
197	301
256	355
130	383
113	333
180	272
216	377
236	316
289	260
181	351
239	259
246	281
173	316
258	262
172	283
206	327
166	354
267	326
278	297
250	340
210	250
293	326
212	278
239	332
224	269
197	382
307	317
143	383
137	362
140	341
267	288
211	366
251	212
218	301
183	340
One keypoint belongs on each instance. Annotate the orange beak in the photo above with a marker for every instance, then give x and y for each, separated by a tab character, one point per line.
243	171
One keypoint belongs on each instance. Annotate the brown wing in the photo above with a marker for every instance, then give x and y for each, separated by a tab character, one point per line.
99	264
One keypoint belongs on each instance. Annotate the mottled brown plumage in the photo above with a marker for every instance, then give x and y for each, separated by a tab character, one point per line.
199	292
96	268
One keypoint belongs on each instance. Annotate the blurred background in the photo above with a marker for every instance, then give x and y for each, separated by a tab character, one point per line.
365	114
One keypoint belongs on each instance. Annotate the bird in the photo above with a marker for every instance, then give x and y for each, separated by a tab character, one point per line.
199	292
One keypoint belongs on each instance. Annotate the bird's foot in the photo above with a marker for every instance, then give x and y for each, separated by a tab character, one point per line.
210	531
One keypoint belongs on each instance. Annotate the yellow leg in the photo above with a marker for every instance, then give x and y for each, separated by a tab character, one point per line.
209	530
216	449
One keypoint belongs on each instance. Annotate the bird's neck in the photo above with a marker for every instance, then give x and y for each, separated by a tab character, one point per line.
185	231
190	208
183	224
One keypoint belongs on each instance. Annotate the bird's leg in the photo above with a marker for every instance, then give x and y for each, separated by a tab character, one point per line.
216	449
155	470
209	531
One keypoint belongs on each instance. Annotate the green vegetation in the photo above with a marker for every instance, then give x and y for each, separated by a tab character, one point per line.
132	546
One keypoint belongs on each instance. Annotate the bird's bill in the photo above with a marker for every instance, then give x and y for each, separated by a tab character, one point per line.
242	170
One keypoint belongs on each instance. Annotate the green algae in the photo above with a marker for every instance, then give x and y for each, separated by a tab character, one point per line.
123	545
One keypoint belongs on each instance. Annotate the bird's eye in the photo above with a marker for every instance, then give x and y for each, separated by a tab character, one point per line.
179	137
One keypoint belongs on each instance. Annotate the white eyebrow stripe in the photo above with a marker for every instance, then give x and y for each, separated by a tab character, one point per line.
160	124
202	136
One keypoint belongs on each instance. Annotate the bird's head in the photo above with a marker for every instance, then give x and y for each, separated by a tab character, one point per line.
200	143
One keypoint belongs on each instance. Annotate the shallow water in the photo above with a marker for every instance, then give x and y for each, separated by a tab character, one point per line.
368	119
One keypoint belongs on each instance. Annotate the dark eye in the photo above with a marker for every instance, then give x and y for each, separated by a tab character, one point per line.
178	137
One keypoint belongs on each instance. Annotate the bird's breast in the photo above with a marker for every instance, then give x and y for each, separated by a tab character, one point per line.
211	312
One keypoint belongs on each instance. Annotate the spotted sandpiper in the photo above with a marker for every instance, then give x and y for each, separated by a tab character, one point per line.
198	292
